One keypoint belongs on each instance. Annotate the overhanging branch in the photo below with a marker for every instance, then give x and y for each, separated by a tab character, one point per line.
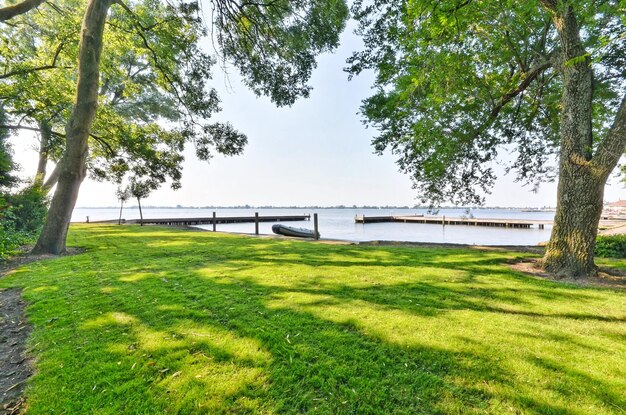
18	127
102	141
10	12
53	65
531	75
612	147
140	31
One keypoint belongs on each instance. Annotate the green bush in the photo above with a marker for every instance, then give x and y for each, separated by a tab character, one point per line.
611	246
22	215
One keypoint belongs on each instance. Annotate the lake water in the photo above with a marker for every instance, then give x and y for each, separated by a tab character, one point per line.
339	224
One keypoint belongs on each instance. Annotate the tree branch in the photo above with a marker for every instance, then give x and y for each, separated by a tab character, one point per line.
10	12
550	5
612	147
53	178
140	29
531	75
99	139
18	127
53	65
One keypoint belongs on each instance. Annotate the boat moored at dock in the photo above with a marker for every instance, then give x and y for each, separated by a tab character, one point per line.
291	231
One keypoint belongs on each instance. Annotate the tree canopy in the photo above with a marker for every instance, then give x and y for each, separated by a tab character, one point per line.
155	95
153	57
459	81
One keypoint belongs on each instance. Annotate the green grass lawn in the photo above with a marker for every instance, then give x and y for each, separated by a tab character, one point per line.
152	320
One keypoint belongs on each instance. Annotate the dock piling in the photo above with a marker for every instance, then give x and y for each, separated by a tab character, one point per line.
214	222
316	227
256	223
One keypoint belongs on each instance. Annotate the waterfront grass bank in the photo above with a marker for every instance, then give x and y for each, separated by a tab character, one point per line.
157	320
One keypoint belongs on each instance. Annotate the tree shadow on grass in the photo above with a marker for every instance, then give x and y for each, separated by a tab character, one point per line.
282	360
239	325
199	334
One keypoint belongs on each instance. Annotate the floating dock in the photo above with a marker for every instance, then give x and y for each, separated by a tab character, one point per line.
442	220
495	223
214	220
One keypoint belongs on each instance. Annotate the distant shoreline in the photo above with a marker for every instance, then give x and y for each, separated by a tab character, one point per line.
527	209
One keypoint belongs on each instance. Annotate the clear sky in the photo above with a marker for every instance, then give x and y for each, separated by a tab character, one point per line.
315	153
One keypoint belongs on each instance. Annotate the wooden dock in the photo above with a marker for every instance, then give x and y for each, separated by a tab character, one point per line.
214	220
442	220
605	223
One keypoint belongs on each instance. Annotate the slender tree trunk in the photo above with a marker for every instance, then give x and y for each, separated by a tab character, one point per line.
140	212
73	164
119	221
44	143
52	179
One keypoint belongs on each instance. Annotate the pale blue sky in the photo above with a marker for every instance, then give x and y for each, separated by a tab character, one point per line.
314	153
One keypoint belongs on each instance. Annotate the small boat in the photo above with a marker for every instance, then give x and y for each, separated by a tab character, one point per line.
290	231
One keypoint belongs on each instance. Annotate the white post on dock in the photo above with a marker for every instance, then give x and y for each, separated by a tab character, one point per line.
214	222
316	227
443	221
256	223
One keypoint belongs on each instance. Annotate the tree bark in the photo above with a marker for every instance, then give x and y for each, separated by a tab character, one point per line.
570	252
140	212
582	176
10	12
52	179
73	163
45	135
119	221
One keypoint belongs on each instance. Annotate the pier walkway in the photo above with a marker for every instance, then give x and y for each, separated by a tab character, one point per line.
214	220
497	223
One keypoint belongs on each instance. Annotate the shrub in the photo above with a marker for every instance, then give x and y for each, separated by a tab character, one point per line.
611	246
22	215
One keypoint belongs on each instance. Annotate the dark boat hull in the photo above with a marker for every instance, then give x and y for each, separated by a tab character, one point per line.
290	231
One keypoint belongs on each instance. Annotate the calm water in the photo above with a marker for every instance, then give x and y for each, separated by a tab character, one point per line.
339	224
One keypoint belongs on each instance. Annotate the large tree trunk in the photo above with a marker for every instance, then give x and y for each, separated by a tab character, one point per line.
582	174
73	164
570	252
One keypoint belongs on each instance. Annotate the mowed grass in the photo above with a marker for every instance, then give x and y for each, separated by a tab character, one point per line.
153	320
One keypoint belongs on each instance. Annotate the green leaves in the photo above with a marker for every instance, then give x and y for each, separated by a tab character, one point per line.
155	92
274	44
7	165
458	81
223	138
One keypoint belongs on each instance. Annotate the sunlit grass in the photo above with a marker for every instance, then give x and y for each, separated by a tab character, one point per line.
155	320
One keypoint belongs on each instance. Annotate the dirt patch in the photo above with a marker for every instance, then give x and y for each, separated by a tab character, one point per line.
616	230
607	277
15	367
